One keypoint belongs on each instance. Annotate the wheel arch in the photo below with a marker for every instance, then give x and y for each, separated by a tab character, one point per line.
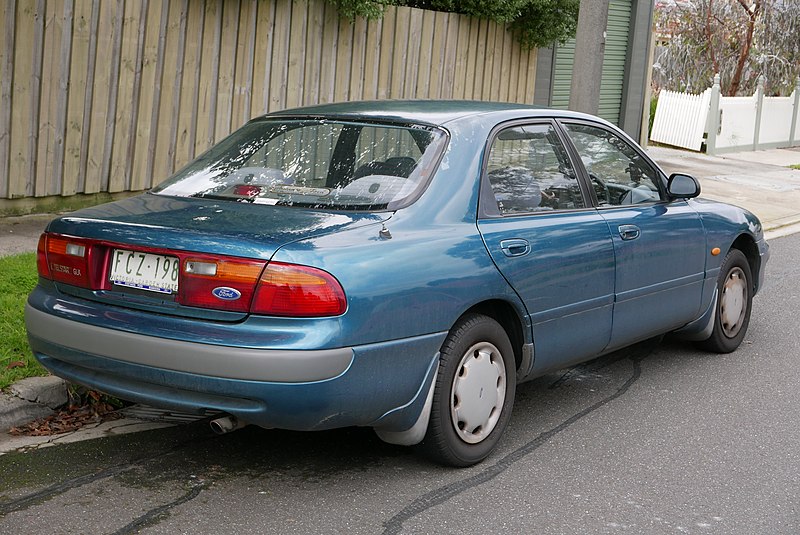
507	315
747	245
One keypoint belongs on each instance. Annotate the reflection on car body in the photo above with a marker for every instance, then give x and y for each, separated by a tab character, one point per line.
397	265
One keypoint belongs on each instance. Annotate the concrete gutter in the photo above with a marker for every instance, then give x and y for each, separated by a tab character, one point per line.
32	398
759	181
39	397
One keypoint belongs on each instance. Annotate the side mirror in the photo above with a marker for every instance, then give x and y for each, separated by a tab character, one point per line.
680	186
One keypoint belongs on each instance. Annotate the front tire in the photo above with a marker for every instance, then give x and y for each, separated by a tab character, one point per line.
734	303
474	393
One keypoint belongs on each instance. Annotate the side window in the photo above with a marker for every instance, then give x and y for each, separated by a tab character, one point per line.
619	175
529	171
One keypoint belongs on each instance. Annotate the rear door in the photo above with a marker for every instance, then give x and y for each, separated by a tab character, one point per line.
549	242
659	244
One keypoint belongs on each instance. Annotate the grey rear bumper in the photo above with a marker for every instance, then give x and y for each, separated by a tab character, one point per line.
288	366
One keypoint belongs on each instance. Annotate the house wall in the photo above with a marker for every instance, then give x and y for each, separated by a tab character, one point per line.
105	96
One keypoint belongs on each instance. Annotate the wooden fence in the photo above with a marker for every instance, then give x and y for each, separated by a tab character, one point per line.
114	95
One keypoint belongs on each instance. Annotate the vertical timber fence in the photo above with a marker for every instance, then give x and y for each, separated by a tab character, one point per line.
114	95
727	124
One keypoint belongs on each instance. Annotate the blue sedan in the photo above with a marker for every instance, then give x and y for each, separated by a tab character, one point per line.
396	265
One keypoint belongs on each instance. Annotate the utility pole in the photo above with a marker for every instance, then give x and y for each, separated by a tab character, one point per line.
590	46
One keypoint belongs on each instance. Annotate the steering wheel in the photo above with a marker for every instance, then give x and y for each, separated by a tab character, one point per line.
602	191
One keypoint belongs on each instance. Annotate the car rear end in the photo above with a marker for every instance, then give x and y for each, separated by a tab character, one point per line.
176	298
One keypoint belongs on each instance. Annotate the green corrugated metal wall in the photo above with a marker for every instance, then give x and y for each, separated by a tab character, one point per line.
562	75
619	20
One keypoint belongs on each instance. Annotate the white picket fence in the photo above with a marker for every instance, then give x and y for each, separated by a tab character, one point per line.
727	124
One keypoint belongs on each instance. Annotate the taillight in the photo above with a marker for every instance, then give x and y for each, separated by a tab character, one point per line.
301	291
41	258
222	284
64	259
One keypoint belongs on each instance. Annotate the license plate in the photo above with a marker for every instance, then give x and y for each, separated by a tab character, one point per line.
156	273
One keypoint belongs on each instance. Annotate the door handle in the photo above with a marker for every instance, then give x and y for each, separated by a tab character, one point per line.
515	247
629	232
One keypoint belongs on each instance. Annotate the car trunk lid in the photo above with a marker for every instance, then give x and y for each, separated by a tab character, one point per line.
180	256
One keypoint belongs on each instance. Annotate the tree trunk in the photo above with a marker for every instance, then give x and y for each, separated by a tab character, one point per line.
709	35
744	52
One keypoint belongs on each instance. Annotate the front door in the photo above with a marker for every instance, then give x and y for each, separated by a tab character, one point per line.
659	245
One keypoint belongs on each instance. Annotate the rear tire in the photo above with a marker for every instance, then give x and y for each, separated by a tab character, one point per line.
734	303
474	393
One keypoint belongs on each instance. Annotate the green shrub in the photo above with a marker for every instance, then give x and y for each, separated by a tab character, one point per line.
653	105
535	23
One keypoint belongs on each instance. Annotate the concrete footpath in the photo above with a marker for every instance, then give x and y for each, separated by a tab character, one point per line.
760	181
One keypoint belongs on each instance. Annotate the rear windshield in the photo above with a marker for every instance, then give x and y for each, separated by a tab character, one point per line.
314	163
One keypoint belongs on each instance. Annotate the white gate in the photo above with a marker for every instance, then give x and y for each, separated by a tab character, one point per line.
680	119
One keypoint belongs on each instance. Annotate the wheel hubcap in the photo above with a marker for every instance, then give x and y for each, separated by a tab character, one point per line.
478	392
733	303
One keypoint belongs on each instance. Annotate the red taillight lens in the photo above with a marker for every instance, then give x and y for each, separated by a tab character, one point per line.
64	259
41	258
222	284
302	291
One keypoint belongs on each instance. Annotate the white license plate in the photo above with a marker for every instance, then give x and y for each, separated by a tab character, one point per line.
156	273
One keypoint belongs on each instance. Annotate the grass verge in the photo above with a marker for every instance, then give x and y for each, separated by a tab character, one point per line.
17	278
795	166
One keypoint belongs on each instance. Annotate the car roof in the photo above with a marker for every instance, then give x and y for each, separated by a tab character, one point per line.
434	112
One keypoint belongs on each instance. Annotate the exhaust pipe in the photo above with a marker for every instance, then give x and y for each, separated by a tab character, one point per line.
226	424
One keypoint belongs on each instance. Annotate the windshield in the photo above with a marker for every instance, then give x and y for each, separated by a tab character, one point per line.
316	163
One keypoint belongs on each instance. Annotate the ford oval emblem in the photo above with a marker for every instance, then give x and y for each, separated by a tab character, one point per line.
226	294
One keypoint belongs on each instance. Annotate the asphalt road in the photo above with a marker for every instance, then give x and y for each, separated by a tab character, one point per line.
659	438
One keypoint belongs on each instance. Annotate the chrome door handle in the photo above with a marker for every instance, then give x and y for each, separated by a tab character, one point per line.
629	232
515	247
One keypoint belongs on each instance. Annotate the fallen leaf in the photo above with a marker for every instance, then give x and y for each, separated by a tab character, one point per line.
69	419
15	364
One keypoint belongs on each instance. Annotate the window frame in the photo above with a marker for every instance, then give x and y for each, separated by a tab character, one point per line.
487	202
664	197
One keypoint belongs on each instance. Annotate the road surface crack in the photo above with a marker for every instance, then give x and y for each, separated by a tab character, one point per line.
43	495
23	502
157	514
442	494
